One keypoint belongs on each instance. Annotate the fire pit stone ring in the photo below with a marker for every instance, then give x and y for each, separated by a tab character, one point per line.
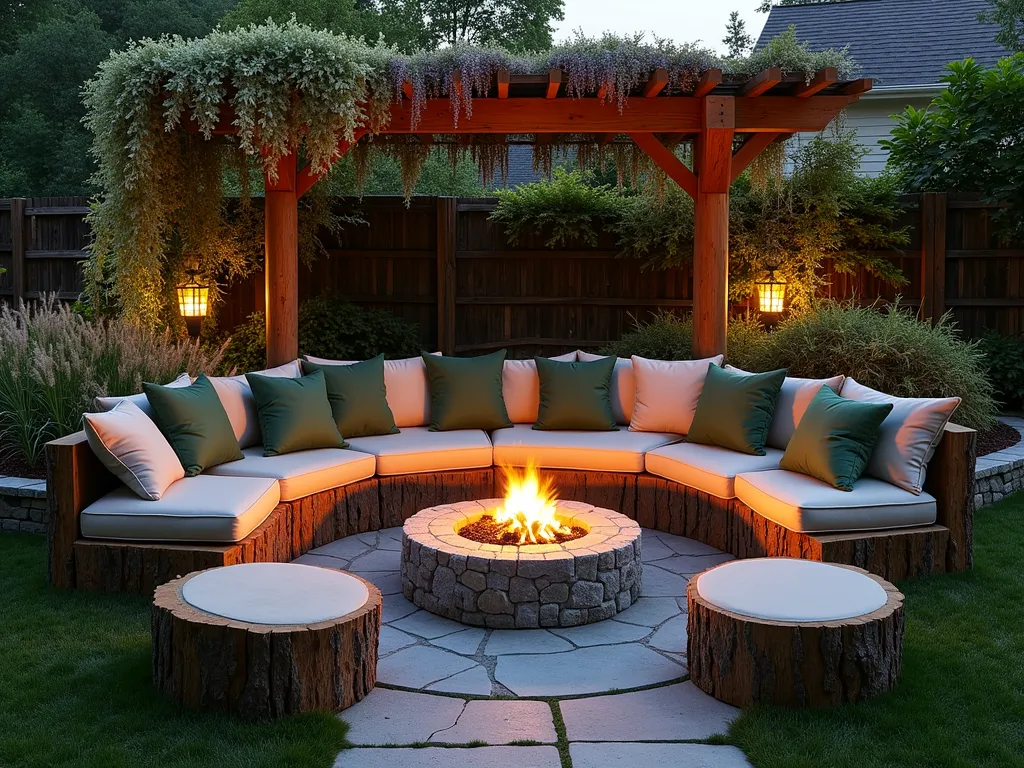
521	587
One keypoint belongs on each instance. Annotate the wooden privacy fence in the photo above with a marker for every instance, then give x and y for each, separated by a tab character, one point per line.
42	241
443	265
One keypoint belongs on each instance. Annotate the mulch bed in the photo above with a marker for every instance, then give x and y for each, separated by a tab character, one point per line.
487	531
996	439
12	465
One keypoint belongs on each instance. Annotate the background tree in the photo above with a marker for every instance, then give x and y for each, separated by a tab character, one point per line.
737	41
1009	15
519	25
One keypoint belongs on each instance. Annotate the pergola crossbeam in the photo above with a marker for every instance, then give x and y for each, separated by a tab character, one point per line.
656	83
707	83
503	79
762	82
821	80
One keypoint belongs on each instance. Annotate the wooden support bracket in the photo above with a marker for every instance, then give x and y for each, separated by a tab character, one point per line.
665	159
306	178
752	147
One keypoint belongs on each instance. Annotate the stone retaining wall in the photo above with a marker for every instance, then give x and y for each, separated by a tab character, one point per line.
997	475
23	505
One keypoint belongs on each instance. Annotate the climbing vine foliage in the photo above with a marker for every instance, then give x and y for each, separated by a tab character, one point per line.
155	109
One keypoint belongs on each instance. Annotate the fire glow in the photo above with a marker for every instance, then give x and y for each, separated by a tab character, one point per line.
530	507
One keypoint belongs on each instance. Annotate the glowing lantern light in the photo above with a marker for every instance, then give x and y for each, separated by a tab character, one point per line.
771	294
193	303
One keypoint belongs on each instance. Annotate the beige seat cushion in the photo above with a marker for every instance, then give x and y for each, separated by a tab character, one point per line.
623	387
302	473
108	403
908	436
708	468
619	451
417	449
520	388
406	385
213	510
239	404
131	446
667	392
807	505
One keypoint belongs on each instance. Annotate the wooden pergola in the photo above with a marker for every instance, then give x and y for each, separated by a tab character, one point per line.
728	120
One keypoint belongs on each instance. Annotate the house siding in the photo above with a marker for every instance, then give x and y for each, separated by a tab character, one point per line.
872	119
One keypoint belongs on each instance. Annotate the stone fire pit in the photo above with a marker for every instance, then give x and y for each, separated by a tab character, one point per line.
521	587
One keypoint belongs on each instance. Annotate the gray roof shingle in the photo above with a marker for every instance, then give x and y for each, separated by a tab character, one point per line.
896	42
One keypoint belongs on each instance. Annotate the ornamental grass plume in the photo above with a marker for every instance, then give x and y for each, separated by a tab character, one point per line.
56	362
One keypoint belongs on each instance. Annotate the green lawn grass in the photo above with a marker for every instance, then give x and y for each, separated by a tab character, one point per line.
75	688
960	701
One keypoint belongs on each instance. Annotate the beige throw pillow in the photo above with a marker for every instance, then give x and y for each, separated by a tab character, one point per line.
623	387
140	400
131	446
520	387
408	392
239	404
794	397
907	437
667	393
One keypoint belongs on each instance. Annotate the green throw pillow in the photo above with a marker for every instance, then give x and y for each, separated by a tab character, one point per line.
295	414
834	439
195	424
465	392
735	409
358	397
575	395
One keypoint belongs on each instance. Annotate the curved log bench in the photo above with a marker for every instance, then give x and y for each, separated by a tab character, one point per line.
844	645
76	478
298	657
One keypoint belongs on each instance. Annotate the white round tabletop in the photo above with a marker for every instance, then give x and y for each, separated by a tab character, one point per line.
780	589
275	593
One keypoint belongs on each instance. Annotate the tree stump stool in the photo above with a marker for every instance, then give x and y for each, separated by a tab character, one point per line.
793	633
266	639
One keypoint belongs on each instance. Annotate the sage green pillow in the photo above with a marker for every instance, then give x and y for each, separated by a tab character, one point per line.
735	410
358	397
575	395
835	438
465	392
294	414
195	424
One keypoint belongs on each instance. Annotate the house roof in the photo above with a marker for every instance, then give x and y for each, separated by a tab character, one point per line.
896	42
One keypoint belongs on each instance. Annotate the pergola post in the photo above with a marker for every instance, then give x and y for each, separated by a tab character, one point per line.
281	264
713	164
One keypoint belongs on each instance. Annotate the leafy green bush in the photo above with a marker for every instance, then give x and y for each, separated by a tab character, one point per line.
55	362
891	351
565	206
961	142
670	337
329	328
1004	362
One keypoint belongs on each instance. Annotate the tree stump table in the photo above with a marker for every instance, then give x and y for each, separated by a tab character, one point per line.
266	639
793	633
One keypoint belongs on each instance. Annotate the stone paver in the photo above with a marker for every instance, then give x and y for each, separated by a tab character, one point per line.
643	755
688	565
650	611
418	666
501	722
396	607
428	625
447	757
671	636
503	641
605	633
465	642
474	680
587	670
672	713
392	639
400	717
661	583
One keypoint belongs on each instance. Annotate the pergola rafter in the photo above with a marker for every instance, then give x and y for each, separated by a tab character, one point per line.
765	108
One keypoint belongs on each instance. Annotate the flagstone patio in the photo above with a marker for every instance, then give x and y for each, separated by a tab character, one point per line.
618	686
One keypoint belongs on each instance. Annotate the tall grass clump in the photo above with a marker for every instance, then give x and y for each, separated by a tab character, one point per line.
670	337
887	349
56	361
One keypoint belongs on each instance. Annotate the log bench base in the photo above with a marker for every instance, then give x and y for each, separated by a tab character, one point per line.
743	660
262	671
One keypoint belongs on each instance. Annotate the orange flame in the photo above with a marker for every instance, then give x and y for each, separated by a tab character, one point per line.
530	506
